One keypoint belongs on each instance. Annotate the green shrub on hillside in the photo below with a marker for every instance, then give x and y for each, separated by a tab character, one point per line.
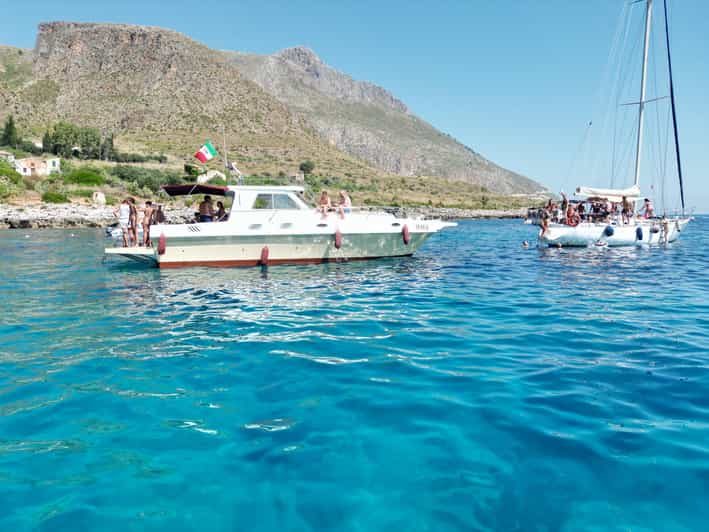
54	197
82	193
147	177
85	175
7	170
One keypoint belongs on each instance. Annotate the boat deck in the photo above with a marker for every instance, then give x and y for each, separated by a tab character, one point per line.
139	254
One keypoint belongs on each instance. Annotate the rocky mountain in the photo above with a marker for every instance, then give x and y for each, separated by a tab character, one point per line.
160	91
368	122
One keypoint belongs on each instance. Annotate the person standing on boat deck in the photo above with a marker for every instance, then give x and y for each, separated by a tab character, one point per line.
581	211
564	202
648	210
627	210
147	220
345	205
221	212
158	216
133	222
206	210
324	205
123	213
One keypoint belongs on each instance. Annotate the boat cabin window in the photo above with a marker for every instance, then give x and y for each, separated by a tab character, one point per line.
263	201
274	201
283	201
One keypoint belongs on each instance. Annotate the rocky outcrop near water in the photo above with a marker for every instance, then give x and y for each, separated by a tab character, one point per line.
369	122
69	215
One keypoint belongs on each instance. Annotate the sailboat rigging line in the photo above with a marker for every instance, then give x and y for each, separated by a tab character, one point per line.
674	111
603	99
646	101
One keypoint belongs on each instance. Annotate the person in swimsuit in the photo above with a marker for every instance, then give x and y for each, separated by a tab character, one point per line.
221	212
324	205
648	210
147	220
206	210
133	222
345	205
627	210
123	213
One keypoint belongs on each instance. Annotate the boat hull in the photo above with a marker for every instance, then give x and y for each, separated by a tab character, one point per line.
284	249
642	232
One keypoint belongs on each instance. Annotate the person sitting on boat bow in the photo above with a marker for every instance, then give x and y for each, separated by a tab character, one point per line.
206	210
345	205
572	217
324	205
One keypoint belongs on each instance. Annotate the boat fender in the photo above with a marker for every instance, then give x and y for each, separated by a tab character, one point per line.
639	233
264	256
162	244
654	229
405	234
608	231
338	239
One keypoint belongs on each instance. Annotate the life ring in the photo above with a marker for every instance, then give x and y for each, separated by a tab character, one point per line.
338	239
162	244
406	237
264	256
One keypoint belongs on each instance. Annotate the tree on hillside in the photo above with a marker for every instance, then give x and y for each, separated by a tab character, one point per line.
47	146
9	133
107	150
307	167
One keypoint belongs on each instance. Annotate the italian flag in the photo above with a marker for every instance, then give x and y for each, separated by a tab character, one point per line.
206	152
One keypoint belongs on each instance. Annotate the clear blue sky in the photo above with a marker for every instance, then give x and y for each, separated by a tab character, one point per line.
517	81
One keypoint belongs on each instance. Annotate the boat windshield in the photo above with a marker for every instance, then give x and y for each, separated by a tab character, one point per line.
274	201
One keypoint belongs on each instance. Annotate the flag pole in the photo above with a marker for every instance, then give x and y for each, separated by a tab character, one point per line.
226	155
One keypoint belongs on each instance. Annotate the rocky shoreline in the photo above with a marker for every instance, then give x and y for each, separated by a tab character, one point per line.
76	215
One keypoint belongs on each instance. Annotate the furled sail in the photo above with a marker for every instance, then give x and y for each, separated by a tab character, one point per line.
610	194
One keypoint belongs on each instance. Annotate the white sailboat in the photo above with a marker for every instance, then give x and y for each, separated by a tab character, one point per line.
613	228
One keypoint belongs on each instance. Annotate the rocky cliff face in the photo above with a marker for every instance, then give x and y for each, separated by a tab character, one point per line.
161	91
370	123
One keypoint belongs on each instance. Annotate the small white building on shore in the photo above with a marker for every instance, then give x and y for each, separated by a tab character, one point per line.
37	166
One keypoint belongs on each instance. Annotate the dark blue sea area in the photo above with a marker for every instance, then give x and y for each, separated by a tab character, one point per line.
476	386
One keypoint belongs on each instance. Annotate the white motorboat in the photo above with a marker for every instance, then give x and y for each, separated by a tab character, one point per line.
269	225
616	229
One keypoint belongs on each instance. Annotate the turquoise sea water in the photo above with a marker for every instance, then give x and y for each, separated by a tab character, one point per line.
477	385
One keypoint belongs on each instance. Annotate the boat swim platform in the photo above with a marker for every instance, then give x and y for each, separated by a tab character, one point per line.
138	254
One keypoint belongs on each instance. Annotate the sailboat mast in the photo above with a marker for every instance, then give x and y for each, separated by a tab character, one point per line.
674	112
641	106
